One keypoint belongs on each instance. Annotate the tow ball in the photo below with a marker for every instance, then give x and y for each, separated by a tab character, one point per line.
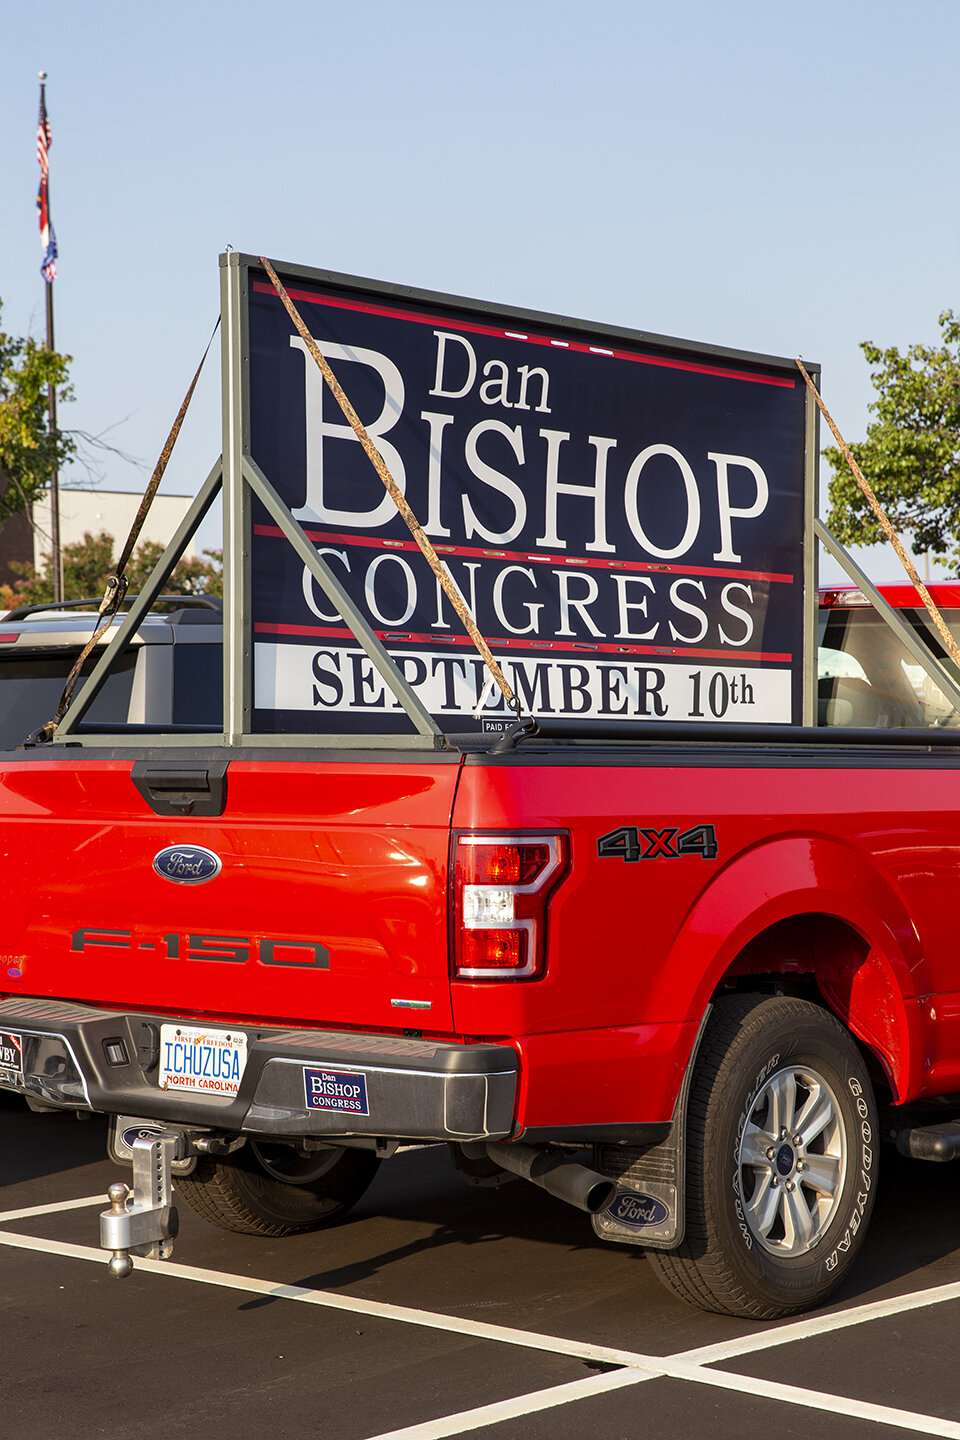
143	1221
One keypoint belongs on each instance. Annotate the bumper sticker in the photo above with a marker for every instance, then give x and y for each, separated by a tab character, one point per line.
341	1091
11	1057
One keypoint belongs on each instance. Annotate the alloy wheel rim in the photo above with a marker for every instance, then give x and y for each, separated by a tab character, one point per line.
791	1161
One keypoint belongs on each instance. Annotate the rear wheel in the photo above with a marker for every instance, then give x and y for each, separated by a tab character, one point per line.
781	1129
273	1189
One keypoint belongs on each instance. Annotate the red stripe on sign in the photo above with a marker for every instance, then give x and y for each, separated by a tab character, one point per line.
370	542
565	650
337	302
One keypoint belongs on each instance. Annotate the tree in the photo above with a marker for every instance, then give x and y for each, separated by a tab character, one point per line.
87	563
911	455
28	450
191	577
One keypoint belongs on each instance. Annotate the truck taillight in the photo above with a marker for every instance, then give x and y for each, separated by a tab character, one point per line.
501	887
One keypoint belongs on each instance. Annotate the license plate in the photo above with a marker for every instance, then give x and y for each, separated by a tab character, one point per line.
210	1062
11	1057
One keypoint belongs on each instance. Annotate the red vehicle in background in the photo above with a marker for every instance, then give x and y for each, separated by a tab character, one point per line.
866	677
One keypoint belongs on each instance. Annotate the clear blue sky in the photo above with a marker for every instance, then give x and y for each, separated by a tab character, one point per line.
775	177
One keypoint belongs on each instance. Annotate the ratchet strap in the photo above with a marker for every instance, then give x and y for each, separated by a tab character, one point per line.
117	583
950	644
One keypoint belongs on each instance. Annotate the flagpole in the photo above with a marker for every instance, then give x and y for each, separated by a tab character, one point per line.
54	469
57	555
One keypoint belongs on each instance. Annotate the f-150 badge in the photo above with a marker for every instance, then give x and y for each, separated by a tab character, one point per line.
187	864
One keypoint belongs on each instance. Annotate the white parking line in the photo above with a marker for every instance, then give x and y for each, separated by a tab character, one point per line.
539	1400
354	1305
814	1399
675	1368
821	1325
633	1367
53	1209
519	1406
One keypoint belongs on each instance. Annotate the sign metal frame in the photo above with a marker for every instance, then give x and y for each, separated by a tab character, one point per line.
240	479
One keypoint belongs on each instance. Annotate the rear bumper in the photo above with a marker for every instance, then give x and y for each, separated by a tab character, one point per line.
414	1089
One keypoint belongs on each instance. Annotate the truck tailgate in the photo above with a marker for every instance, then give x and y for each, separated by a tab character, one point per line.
329	906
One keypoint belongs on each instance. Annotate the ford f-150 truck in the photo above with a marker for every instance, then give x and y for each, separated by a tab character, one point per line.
666	946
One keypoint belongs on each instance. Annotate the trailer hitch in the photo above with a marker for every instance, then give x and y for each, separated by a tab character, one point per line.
143	1221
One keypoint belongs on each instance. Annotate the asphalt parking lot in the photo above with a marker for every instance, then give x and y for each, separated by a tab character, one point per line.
441	1310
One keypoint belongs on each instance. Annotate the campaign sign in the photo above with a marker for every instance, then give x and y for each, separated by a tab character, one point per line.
625	520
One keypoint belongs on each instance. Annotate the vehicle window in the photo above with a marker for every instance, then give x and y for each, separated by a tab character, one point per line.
198	685
31	686
866	677
832	663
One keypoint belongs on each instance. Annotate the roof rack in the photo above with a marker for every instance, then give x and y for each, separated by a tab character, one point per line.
182	602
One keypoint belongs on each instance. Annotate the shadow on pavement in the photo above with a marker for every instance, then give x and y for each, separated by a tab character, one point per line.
34	1145
914	1233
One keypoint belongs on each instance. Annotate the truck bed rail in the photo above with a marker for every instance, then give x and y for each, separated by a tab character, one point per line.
671	732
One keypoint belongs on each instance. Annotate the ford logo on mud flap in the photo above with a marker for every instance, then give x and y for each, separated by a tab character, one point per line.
632	1208
187	864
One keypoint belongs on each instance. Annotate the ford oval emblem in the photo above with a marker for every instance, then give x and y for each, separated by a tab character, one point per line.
187	864
139	1132
637	1210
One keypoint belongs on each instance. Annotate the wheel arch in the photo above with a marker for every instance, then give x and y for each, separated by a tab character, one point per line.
813	909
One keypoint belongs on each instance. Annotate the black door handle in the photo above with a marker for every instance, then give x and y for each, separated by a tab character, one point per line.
182	789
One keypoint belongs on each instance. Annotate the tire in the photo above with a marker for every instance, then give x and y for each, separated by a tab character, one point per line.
274	1189
773	1225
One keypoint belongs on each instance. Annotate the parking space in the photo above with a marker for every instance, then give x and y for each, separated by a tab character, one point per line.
440	1310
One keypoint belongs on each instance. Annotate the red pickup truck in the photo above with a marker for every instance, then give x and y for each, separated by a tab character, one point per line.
682	971
595	959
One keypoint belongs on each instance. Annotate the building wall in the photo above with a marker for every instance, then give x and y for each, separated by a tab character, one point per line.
16	545
85	512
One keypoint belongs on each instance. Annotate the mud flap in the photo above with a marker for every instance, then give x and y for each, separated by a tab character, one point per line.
649	1206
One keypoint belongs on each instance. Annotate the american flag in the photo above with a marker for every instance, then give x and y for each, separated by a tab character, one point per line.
48	239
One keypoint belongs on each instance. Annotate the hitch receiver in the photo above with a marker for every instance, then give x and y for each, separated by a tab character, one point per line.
146	1222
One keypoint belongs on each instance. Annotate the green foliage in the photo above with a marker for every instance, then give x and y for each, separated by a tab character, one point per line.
88	563
191	577
911	455
27	448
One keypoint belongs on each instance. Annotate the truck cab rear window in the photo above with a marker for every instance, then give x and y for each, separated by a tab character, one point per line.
31	686
198	685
